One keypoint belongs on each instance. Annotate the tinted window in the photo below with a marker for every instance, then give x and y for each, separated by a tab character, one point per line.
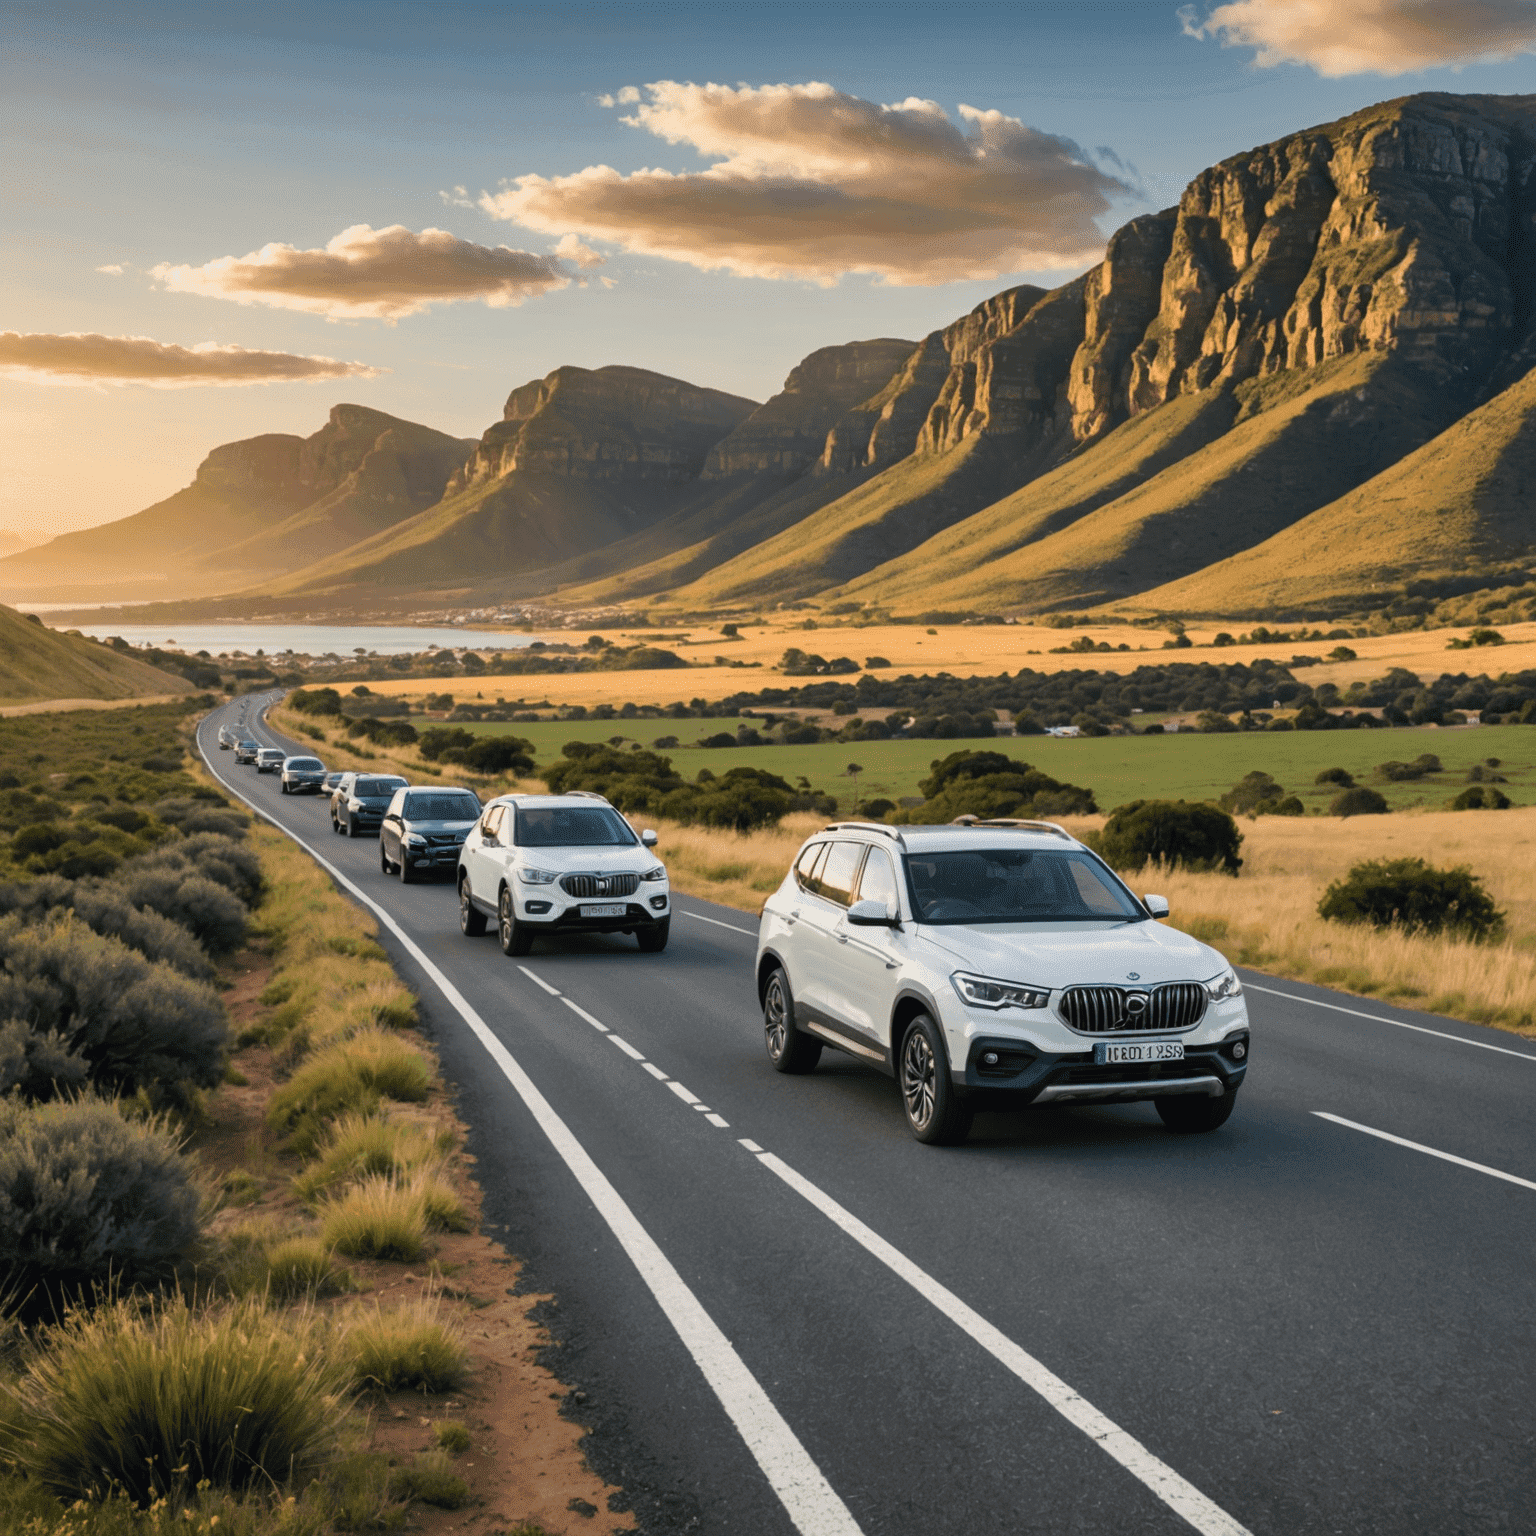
836	877
878	882
441	807
572	826
1019	885
376	789
306	764
805	867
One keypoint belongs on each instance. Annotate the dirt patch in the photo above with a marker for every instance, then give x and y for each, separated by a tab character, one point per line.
525	1464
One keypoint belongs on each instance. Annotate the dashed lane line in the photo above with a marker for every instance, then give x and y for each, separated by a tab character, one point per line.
626	1047
699	917
539	981
682	1093
808	1498
1418	1146
582	1013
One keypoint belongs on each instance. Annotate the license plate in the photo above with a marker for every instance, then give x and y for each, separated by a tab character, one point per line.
608	909
1106	1055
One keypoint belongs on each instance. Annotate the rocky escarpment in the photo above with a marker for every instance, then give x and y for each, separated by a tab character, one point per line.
611	424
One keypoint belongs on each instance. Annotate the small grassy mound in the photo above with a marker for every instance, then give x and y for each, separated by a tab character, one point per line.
407	1348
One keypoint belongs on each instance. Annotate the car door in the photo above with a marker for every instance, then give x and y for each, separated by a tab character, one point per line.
487	859
392	828
864	961
820	912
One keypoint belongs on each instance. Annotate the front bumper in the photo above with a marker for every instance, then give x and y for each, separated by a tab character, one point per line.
303	786
432	855
638	913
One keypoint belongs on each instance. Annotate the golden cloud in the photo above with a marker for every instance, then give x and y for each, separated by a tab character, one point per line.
376	274
87	358
814	183
1377	37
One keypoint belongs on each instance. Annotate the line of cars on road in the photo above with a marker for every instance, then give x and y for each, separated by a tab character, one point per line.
990	964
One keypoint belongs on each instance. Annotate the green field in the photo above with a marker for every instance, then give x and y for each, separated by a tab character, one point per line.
1187	766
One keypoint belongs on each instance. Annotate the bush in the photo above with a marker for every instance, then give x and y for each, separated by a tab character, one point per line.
500	754
138	1024
151	1402
352	1076
215	856
1255	794
376	1219
1171	833
303	1266
409	1348
1481	797
193	816
358	1146
440	740
430	1479
1340	776
451	1435
1358	801
989	784
212	914
1414	896
87	1197
1399	773
314	701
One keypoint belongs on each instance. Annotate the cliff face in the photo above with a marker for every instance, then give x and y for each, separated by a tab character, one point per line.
613	424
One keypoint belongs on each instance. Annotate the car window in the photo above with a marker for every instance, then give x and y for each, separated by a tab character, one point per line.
1019	885
305	764
878	881
805	866
376	789
572	826
836	877
441	807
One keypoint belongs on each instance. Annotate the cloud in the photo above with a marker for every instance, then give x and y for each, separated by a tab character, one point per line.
457	197
624	98
86	358
378	274
112	269
1377	37
814	183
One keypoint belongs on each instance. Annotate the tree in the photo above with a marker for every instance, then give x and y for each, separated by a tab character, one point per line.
1171	833
1414	896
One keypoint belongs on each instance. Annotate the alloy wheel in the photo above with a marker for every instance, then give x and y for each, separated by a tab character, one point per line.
504	917
918	1073
776	1019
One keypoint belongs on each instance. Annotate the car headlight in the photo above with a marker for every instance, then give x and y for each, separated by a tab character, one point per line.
659	873
1224	987
416	839
985	992
537	876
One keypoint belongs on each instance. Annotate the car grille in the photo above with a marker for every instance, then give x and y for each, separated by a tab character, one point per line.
1109	1010
444	839
600	885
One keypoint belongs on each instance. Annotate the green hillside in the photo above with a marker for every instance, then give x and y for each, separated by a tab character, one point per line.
38	663
1465	501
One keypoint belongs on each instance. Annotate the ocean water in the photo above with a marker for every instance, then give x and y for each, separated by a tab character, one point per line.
307	639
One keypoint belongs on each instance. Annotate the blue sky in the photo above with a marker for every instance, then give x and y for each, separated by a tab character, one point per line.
175	135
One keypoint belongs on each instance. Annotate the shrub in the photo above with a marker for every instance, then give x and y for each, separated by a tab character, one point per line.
451	1435
1340	776
87	1197
353	1075
151	1402
436	743
1255	794
1212	721
1414	896
1424	763
377	1218
440	1203
195	816
1358	801
358	1146
500	754
1172	833
430	1479
205	909
303	1266
988	784
1481	797
39	1064
408	1348
137	1023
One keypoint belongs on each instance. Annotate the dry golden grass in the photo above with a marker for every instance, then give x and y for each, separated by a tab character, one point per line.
1267	917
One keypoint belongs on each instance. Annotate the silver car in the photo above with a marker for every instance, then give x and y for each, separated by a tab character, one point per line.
270	760
303	775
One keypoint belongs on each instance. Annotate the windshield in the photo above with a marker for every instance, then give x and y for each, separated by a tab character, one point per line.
376	789
1016	885
573	826
442	807
305	764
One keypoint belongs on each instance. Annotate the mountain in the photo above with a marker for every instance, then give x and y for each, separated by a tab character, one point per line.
38	663
266	504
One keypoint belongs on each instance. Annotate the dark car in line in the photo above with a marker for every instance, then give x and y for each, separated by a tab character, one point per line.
303	775
245	751
423	830
359	806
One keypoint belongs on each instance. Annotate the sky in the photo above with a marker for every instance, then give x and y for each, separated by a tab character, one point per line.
219	221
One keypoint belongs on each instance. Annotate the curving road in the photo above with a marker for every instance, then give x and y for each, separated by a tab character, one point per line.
787	1316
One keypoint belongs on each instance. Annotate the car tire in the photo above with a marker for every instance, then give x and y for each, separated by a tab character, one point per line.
471	918
335	826
385	867
515	937
1189	1115
790	1049
653	940
351	827
935	1114
404	870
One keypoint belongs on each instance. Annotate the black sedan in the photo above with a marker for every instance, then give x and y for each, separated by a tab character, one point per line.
424	829
359	807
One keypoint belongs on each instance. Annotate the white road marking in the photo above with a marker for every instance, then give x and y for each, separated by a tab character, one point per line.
1377	1018
718	1123
807	1496
596	1024
654	1070
751	1146
538	981
626	1047
683	1093
703	1109
1416	1146
1182	1497
699	917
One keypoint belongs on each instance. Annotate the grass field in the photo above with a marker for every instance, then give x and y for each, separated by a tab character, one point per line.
1187	766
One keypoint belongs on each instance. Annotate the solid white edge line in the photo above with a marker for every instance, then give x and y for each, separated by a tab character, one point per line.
1418	1146
582	1013
538	981
1181	1496
716	921
807	1496
1377	1018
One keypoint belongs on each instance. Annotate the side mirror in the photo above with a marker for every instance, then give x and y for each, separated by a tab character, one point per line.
1156	905
649	838
871	914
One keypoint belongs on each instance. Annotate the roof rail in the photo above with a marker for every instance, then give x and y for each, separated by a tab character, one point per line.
1013	824
866	826
586	794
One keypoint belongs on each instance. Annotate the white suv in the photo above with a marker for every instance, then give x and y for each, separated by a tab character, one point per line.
995	965
551	864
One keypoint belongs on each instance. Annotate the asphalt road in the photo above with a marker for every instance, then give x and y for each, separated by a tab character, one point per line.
786	1315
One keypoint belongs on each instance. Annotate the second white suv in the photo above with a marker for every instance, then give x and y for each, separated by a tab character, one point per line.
552	864
991	966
